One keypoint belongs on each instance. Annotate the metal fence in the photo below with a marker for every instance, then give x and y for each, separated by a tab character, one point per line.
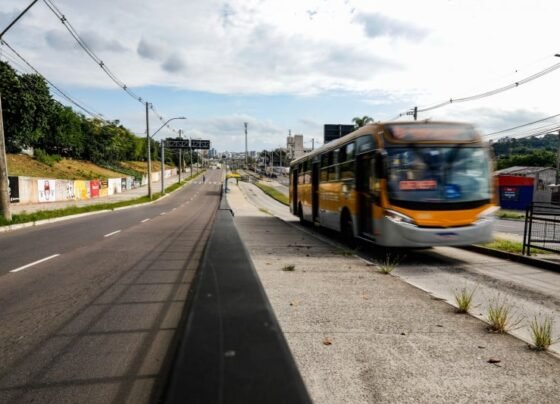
542	227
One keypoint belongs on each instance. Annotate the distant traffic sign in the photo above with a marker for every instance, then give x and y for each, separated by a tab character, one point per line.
200	144
177	143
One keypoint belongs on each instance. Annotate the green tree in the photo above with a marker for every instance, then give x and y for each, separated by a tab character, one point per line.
65	134
362	121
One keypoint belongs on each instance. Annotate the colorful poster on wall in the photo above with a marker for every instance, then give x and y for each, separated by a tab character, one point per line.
104	187
47	190
13	190
94	186
81	189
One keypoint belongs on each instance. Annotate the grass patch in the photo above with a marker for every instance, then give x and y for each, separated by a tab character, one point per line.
273	193
71	210
463	298
541	332
510	246
289	268
388	264
263	210
501	317
510	214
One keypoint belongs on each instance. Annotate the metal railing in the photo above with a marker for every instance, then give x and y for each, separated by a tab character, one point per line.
542	228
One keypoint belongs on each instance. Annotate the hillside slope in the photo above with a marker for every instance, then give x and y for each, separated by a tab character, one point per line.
66	169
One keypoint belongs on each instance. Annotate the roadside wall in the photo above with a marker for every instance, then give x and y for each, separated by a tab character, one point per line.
44	190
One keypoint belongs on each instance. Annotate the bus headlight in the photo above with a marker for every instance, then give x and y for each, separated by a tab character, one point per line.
397	217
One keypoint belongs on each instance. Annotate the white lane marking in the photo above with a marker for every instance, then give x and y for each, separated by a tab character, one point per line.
145	220
174	209
34	263
112	234
163	213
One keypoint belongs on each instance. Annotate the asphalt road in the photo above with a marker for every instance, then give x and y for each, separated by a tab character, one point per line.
90	307
510	226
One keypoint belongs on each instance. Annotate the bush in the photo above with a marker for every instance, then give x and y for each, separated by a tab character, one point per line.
45	158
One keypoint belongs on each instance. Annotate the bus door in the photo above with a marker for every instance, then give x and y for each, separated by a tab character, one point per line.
294	173
364	172
315	190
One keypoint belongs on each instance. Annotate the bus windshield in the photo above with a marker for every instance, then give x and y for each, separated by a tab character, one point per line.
433	175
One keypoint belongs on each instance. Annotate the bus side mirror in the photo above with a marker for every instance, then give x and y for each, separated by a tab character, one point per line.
381	164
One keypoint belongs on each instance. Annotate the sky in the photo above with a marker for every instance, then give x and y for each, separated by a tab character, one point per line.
295	65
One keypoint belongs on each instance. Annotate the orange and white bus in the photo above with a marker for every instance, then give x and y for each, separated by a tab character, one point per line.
399	184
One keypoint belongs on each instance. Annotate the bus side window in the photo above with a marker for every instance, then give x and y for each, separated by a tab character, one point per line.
347	165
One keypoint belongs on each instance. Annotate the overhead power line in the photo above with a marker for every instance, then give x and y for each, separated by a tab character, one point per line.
72	100
521	126
486	93
56	11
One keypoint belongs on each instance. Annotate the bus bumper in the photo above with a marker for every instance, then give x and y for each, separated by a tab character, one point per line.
409	235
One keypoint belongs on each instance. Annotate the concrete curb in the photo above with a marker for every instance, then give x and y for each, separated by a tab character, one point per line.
539	263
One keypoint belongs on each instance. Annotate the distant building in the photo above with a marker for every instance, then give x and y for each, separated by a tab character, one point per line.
520	185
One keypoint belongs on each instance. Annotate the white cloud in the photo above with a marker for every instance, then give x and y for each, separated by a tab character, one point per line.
387	52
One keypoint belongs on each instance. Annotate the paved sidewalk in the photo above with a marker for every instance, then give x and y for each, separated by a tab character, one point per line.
359	336
123	196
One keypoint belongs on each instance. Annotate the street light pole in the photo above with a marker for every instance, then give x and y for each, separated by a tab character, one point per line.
162	166
149	156
246	152
149	147
180	155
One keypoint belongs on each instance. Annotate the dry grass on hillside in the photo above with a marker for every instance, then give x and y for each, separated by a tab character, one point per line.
23	165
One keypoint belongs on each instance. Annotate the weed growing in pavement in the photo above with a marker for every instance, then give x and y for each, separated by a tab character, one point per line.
463	298
289	268
541	331
345	252
501	317
389	263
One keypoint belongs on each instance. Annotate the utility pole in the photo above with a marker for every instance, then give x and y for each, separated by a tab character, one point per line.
312	143
149	147
180	155
246	152
162	167
5	209
4	182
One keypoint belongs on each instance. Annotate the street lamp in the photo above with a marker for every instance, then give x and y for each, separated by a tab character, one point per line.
148	136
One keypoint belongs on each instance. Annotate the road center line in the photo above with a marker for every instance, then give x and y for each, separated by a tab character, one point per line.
34	263
113	233
145	220
163	213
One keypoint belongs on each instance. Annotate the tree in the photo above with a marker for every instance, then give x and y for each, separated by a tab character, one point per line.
65	135
362	121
